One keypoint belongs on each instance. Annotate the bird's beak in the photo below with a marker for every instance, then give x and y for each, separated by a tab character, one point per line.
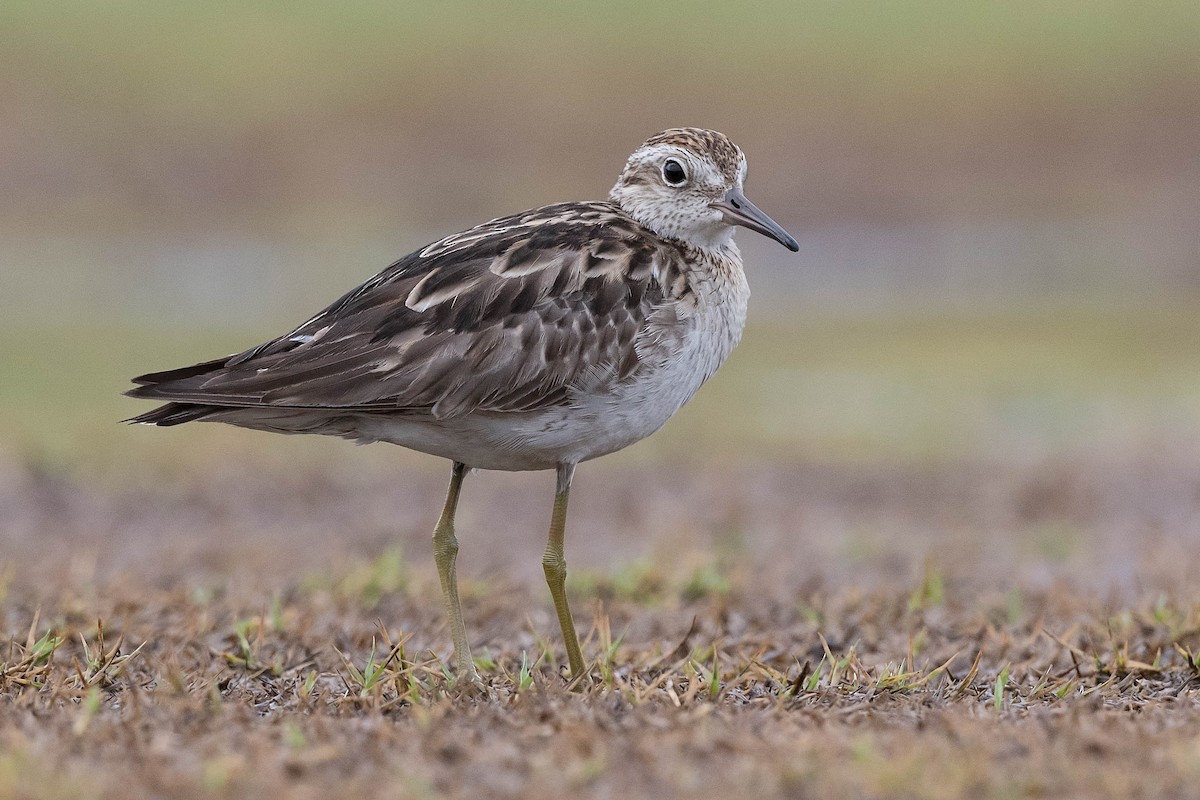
740	211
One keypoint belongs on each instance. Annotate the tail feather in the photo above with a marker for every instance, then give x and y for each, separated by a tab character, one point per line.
173	414
155	386
182	373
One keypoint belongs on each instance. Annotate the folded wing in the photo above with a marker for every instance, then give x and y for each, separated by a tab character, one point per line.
508	316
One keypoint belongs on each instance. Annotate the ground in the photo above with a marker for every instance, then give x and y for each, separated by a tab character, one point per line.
791	631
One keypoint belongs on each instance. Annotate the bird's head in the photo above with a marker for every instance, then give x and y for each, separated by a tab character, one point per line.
687	184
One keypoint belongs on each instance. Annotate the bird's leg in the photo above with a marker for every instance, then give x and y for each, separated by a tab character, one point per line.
555	567
445	551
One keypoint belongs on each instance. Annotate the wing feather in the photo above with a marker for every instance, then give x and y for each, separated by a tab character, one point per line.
509	316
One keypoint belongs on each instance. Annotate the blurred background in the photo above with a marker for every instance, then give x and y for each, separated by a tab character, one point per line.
997	207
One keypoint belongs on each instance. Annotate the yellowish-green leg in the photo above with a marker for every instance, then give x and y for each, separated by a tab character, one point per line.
445	551
555	566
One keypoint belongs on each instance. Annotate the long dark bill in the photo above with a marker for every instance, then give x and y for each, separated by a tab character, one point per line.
740	211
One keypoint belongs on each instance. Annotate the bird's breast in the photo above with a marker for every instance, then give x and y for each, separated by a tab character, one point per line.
680	348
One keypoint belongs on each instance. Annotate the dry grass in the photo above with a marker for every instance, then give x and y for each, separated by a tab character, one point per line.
792	631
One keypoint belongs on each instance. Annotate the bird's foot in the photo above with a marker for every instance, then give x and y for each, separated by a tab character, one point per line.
467	683
579	681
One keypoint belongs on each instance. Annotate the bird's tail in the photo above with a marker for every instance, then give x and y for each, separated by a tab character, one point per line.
173	414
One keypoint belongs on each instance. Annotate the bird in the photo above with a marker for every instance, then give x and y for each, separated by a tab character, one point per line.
534	341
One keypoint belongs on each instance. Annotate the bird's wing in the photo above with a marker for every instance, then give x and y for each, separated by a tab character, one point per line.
508	316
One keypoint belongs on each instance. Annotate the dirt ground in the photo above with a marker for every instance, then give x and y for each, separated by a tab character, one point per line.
782	630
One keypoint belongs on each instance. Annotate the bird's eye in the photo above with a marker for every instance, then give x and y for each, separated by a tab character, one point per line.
672	172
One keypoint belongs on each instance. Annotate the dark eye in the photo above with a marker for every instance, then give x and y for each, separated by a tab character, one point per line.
673	172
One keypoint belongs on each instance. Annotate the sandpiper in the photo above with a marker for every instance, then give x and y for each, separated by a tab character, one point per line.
534	341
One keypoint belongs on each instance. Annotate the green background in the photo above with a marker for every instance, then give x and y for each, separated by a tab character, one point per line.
996	203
